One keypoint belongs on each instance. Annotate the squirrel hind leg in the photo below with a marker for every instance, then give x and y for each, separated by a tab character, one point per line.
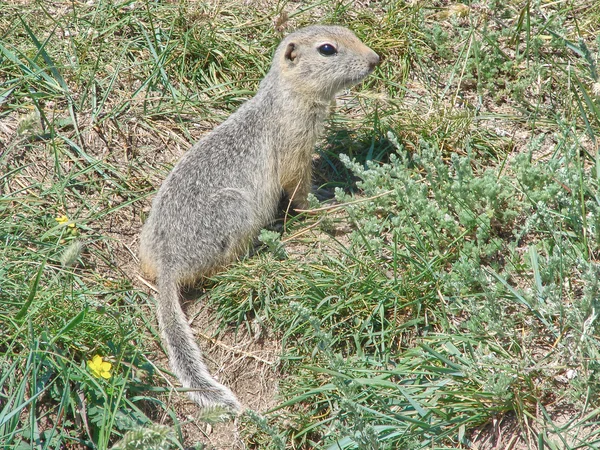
234	221
146	252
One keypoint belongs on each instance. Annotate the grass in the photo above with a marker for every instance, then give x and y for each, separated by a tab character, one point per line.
449	299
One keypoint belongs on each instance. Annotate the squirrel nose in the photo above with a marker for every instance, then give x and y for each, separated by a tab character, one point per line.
373	60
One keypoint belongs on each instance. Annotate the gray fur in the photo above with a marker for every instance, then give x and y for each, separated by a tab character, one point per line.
228	185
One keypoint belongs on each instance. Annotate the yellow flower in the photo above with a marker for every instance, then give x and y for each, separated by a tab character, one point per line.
99	367
64	220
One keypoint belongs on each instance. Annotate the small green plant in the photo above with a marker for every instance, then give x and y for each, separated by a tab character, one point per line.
153	437
272	240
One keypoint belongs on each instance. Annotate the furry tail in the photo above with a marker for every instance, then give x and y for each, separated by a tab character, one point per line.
184	354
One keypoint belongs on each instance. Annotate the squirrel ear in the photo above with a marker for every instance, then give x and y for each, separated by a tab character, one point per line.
290	52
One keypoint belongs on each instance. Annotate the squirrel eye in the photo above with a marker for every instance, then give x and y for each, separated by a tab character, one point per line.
327	50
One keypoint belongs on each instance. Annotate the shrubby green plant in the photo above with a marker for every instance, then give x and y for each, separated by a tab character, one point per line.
467	257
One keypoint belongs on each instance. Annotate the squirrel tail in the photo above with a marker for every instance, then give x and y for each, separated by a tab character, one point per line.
185	357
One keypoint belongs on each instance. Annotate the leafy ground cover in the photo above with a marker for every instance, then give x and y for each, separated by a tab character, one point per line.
448	296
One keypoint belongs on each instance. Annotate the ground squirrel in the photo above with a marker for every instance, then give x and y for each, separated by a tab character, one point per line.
229	184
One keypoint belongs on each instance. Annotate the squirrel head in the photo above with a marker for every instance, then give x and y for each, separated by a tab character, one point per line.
320	61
